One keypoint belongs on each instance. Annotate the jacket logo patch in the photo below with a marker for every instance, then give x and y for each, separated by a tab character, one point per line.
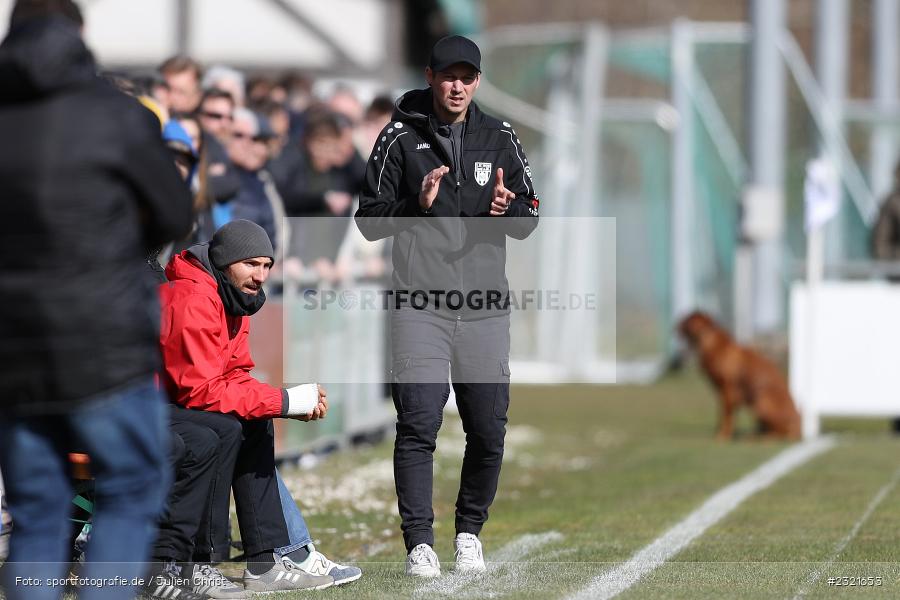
423	146
482	172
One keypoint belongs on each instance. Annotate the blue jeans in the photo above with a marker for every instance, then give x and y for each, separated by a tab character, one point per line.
125	435
296	526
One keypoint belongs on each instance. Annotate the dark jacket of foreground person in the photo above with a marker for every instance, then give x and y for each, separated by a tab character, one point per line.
88	188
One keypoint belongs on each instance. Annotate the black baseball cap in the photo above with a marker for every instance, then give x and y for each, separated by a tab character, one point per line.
454	49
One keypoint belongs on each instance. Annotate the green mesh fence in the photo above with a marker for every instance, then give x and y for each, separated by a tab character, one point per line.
635	161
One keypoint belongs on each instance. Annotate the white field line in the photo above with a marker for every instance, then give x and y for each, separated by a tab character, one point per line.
622	577
842	545
513	552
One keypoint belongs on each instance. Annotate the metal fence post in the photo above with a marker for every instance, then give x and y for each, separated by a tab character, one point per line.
766	136
885	51
683	212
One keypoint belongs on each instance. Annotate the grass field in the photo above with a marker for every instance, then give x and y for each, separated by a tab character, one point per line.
594	474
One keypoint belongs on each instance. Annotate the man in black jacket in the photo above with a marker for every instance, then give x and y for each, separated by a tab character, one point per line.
440	161
88	189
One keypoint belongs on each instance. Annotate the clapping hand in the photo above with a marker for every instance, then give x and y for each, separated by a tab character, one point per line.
430	184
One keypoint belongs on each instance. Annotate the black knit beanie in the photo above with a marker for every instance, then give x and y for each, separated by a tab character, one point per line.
239	240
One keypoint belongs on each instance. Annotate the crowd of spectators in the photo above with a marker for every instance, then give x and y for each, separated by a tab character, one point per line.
274	152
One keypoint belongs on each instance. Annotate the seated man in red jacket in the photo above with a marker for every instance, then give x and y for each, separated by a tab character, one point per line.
212	291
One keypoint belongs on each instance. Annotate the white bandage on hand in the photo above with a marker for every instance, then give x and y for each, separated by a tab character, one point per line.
302	399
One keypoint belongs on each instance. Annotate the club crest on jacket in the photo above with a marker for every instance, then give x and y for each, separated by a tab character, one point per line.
482	172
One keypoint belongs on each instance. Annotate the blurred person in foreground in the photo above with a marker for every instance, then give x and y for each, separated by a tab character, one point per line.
89	189
212	291
442	157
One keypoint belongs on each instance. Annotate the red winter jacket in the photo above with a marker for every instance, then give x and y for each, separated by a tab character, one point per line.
206	352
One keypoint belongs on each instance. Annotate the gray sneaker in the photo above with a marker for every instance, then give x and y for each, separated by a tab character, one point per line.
319	564
211	581
285	576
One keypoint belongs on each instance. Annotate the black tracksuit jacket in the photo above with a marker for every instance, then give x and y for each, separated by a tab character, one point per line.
457	246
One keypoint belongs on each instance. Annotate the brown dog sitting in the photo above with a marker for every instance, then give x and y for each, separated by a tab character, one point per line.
741	376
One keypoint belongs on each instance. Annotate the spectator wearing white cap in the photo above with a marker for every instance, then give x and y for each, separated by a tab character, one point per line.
226	79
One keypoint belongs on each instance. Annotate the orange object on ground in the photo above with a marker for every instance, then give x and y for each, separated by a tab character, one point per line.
81	465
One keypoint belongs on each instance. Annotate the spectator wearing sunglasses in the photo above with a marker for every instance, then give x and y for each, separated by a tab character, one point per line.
216	116
258	200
